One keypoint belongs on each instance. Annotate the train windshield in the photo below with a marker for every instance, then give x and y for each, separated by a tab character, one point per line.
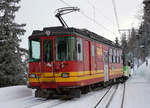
65	48
35	50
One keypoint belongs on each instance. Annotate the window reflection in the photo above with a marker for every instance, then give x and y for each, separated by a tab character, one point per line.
35	50
65	48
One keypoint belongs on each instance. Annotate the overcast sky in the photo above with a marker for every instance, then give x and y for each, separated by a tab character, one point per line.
40	13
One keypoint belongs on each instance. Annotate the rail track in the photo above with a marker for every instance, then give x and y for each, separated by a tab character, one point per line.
50	103
102	97
41	101
123	96
106	99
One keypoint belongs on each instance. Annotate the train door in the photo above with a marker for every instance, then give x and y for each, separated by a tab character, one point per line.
92	59
106	78
86	56
48	68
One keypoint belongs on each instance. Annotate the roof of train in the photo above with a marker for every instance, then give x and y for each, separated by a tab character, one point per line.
54	31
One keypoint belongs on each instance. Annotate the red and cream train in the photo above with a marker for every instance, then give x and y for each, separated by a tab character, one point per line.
70	61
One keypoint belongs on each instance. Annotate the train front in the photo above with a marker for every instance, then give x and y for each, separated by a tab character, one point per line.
53	63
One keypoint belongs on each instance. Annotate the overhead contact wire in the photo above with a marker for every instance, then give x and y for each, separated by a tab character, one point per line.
116	15
98	10
65	3
96	22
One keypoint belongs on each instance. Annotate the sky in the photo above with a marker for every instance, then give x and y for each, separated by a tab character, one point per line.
100	17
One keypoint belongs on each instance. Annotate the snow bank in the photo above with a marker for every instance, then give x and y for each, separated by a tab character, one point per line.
138	88
14	92
141	74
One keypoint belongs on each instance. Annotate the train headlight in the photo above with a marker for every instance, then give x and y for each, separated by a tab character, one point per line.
65	75
32	76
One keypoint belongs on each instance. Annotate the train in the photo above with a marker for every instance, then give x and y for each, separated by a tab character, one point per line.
71	61
68	60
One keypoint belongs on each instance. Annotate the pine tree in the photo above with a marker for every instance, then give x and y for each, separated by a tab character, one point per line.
117	41
132	40
124	43
11	65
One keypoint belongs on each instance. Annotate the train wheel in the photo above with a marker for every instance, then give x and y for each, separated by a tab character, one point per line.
37	93
105	84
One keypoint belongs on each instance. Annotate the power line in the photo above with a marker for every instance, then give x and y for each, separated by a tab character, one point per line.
96	22
94	13
98	10
116	16
65	3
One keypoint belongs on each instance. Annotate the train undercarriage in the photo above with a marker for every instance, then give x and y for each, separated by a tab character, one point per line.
74	92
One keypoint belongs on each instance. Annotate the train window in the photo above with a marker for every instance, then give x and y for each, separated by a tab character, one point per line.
115	56
105	58
48	50
93	50
110	55
35	50
118	56
119	59
65	48
79	49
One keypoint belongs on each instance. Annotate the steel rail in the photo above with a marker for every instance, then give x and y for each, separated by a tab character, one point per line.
55	103
123	96
110	97
102	97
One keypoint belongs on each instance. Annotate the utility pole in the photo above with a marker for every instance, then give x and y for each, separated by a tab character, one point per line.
146	26
126	31
145	39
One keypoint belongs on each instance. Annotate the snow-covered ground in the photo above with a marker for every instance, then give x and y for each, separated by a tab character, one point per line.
138	88
137	95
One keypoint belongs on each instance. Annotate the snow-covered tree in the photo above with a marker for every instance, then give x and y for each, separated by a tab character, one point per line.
124	43
117	41
11	65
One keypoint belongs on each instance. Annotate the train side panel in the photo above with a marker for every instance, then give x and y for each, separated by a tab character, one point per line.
115	63
90	69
